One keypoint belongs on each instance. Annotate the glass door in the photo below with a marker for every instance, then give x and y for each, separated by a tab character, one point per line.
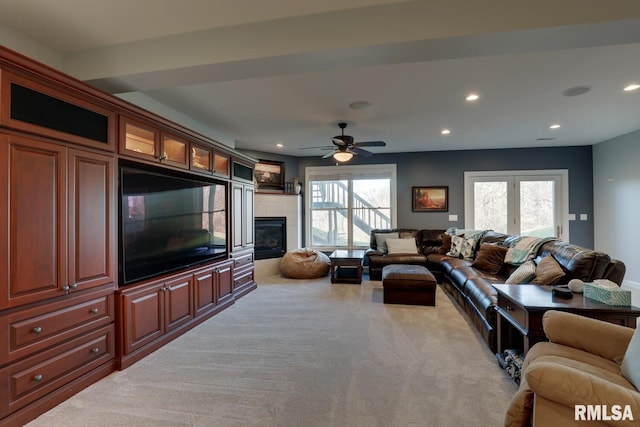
532	203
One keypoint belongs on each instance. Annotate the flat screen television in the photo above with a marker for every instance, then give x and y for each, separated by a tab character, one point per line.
168	222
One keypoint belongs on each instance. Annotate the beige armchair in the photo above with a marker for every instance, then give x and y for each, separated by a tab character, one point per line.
580	365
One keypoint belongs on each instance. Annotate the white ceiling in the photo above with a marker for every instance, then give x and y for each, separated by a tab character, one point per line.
269	71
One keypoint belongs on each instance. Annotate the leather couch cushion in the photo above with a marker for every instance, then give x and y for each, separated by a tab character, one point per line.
577	262
490	258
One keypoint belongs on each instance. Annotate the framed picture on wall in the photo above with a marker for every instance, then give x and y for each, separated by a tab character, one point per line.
269	175
430	199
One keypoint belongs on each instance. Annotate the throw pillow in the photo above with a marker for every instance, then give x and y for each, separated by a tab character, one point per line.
456	246
631	363
523	274
490	258
402	246
548	271
468	249
381	239
446	244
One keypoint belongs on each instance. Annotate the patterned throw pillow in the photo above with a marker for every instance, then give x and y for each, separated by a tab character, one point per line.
522	274
456	246
468	249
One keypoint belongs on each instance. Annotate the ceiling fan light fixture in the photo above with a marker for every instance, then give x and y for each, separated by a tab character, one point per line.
342	156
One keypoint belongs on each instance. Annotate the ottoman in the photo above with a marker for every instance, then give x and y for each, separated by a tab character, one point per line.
408	284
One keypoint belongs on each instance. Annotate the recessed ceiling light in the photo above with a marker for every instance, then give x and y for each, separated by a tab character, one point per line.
554	126
445	131
472	97
279	145
632	87
360	105
576	90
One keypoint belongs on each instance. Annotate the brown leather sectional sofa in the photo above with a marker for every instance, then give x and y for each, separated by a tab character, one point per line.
472	287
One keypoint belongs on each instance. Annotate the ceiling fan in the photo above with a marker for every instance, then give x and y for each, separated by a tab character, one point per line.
344	146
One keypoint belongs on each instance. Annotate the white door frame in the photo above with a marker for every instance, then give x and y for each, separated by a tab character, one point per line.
562	199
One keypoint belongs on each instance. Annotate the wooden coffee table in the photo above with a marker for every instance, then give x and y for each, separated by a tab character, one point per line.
346	266
520	309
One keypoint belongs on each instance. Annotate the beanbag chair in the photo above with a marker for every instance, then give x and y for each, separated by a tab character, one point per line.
304	264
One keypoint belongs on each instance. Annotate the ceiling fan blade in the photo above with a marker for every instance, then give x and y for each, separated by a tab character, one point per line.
361	152
338	141
371	144
324	147
326	156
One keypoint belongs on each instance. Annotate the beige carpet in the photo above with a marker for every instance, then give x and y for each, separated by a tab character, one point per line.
307	353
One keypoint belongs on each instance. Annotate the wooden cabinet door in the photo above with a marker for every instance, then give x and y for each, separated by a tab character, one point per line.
205	293
248	215
237	193
242	216
143	316
178	296
92	220
33	220
224	279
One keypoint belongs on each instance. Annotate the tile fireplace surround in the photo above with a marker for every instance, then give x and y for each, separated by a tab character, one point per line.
279	205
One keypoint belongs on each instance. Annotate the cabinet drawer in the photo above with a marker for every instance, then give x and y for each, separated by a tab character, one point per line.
242	279
515	311
36	376
36	328
243	260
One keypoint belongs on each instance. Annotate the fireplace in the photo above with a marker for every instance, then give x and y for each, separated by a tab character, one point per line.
270	237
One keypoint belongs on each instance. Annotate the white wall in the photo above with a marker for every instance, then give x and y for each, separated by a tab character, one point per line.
616	186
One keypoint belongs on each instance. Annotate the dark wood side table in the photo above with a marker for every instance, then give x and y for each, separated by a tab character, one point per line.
520	309
346	266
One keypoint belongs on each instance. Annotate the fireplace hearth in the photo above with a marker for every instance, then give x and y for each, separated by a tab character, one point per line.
270	237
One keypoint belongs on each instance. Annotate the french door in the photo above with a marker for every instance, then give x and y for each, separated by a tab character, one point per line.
531	203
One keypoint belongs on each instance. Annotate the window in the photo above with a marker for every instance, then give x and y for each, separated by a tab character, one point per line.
346	202
533	203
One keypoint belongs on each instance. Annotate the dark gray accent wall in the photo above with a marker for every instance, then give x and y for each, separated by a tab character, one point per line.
448	167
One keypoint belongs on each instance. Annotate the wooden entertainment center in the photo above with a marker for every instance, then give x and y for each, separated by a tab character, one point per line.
64	320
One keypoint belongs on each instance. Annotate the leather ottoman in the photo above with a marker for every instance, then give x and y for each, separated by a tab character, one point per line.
408	284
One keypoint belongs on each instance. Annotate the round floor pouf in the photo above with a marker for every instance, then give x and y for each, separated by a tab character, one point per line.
304	264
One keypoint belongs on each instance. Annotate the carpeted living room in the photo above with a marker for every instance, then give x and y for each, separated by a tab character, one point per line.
307	353
319	213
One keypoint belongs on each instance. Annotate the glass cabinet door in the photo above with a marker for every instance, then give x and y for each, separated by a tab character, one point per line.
221	164
139	140
200	158
174	151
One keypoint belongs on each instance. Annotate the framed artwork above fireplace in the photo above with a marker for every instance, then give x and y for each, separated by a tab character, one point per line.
269	175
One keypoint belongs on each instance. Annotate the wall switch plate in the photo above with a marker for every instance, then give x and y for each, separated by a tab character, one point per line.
584	217
572	217
453	217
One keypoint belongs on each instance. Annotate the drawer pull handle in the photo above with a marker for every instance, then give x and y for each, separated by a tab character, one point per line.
95	350
94	311
509	308
37	330
74	286
38	377
65	288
